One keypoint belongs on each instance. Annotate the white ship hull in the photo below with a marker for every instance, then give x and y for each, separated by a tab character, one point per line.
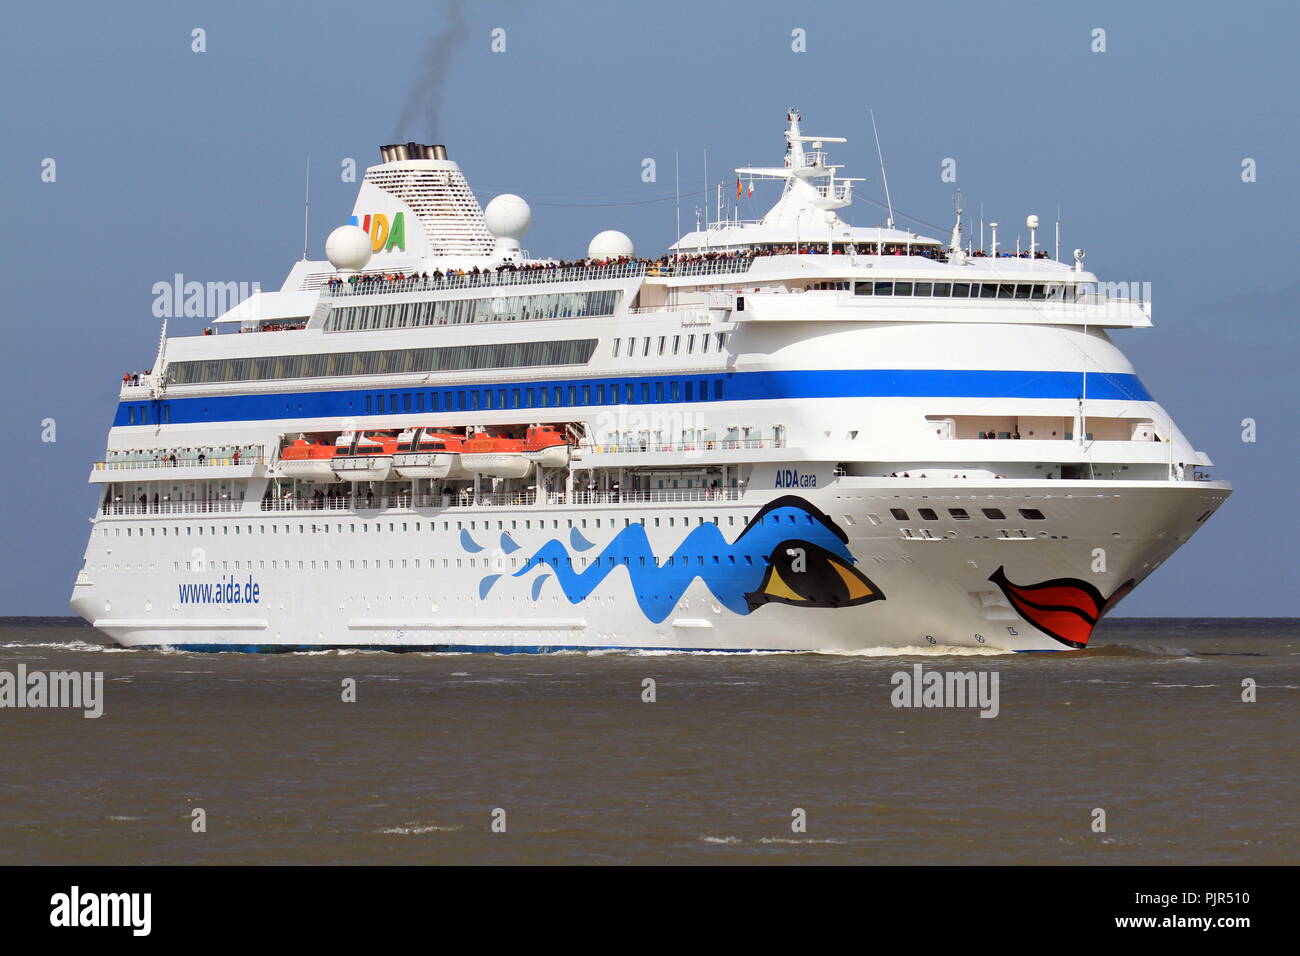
932	592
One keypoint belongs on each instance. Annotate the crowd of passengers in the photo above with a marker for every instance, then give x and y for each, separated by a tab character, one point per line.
132	379
475	274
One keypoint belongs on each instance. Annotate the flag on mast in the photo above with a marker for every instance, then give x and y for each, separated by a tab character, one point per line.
738	190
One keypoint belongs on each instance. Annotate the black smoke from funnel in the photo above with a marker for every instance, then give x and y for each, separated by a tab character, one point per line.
425	99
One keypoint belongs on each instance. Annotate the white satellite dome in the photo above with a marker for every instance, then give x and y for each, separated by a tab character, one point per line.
348	248
508	216
609	244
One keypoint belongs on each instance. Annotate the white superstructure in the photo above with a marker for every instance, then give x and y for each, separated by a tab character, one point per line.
789	434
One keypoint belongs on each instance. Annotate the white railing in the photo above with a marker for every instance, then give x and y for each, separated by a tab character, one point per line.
168	507
360	504
381	286
713	444
181	462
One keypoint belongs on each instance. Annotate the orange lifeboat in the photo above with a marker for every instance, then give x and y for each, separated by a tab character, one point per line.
308	460
428	453
364	456
495	457
546	446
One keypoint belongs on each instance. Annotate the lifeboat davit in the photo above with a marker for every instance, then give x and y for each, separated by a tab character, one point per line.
494	457
364	456
428	453
546	447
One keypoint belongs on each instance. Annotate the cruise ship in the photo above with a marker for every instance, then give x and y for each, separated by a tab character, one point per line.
788	434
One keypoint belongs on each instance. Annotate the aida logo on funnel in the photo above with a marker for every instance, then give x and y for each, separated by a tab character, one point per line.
384	236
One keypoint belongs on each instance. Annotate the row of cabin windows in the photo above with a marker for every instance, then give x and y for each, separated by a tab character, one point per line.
961	514
506	308
495	563
547	396
452	358
139	415
970	290
378	526
669	345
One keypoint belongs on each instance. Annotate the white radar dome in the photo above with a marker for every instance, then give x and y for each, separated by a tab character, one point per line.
508	216
609	244
348	248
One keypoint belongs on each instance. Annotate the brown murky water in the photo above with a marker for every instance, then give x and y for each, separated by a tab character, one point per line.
1149	726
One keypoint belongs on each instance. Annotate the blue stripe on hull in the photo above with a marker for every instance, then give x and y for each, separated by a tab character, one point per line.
731	387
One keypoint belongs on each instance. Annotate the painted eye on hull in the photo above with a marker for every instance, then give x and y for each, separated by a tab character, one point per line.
803	574
1066	609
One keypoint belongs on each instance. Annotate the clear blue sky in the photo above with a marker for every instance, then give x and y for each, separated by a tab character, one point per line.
173	161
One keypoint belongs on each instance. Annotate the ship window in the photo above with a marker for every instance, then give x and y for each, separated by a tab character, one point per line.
993	514
130	414
884	288
645	392
923	288
898	513
674	388
600	394
690	345
988	290
690	391
902	288
1007	290
704	389
1039	292
627	394
717	391
961	290
662	341
959	513
927	514
573	395
1032	514
704	342
659	391
586	395
616	344
645	346
1023	290
677	342
862	288
942	289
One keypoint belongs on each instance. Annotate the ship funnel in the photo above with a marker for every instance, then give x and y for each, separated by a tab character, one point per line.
397	152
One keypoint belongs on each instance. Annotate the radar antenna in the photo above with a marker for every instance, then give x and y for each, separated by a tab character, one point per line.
959	201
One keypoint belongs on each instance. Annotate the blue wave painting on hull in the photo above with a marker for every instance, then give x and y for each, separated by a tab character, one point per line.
790	553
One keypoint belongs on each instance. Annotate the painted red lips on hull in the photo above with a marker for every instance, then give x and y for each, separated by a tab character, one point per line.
1066	609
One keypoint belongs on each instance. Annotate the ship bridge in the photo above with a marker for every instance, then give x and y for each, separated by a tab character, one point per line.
803	220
